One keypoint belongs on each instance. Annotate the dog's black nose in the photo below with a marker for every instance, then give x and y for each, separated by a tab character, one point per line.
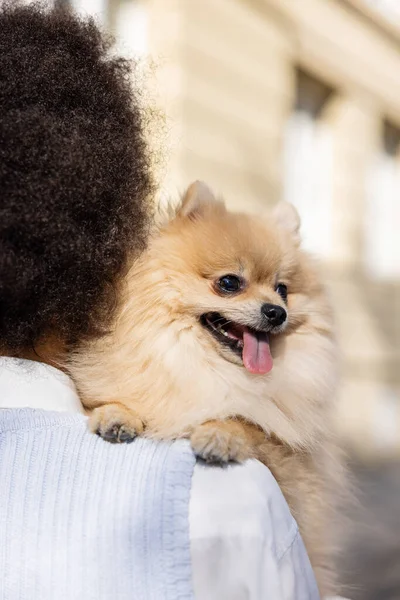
275	314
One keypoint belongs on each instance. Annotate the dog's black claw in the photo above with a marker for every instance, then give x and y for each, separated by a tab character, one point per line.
210	459
126	437
117	434
215	460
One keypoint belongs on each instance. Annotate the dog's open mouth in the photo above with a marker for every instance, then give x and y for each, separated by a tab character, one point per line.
251	345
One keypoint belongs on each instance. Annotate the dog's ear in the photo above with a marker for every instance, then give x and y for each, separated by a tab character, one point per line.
197	199
286	217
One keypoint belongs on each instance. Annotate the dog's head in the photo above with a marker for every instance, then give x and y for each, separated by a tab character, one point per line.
239	282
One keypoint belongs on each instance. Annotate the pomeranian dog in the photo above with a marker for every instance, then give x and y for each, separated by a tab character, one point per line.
224	334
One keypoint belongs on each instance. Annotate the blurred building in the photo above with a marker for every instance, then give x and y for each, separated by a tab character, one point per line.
270	99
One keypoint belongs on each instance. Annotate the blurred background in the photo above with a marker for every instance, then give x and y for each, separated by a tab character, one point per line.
300	99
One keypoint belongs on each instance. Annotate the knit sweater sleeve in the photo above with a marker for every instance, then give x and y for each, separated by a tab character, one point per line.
81	519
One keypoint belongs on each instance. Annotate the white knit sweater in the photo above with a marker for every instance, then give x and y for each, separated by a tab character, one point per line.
81	519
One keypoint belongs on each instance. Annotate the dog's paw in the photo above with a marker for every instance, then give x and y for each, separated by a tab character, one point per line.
116	423
219	442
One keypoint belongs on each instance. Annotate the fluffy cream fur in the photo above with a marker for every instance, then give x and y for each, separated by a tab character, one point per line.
160	366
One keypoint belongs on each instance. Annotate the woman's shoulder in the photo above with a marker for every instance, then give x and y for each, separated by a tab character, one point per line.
121	510
235	500
220	529
244	540
240	500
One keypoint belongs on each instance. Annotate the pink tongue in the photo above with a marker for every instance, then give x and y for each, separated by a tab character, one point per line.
256	352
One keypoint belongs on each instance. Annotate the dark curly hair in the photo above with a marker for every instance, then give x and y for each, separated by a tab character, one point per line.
75	176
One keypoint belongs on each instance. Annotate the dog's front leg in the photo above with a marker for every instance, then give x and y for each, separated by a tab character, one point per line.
231	440
116	423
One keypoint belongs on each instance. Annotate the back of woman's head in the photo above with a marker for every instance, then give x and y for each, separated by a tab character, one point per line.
74	176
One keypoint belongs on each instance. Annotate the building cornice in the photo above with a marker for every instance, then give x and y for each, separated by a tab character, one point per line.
374	18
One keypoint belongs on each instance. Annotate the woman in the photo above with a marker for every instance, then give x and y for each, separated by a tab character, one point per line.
80	518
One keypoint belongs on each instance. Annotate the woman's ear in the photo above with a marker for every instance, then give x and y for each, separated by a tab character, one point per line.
197	200
287	218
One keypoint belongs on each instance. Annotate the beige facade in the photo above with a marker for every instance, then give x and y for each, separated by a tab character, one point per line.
296	99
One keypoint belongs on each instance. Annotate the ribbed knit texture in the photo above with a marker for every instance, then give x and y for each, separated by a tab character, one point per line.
82	519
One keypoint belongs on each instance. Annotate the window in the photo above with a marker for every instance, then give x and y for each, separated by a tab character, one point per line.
390	9
96	8
382	234
127	19
308	163
130	22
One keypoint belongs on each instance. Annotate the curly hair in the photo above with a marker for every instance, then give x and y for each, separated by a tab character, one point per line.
75	175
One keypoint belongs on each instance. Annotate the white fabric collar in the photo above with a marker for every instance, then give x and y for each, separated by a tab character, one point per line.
30	384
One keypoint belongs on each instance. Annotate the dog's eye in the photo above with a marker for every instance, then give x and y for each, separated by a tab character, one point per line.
229	284
281	288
